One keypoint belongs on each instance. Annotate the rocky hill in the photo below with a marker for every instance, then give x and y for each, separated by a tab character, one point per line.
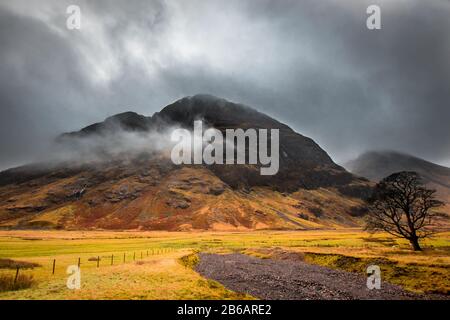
117	174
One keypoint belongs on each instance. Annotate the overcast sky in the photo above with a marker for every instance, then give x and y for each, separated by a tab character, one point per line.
311	64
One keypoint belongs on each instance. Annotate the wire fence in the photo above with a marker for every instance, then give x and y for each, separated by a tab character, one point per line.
103	260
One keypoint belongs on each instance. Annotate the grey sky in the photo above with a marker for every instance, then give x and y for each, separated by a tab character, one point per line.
312	64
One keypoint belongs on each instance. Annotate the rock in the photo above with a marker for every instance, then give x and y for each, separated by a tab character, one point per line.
178	203
303	216
216	190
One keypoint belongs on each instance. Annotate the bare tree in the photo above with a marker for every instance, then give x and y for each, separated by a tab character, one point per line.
402	206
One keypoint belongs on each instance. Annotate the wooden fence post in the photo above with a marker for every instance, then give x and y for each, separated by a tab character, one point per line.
112	259
17	275
98	261
79	263
54	264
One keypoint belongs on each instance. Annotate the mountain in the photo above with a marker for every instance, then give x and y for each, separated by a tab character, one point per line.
376	165
109	182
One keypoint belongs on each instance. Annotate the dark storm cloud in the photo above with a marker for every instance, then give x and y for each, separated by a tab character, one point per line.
312	64
38	85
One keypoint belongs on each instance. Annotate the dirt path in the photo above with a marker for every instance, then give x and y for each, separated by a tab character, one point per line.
292	280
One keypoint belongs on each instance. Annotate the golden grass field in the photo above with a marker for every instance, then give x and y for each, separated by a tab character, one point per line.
160	273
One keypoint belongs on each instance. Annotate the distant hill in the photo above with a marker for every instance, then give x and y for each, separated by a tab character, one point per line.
118	176
376	165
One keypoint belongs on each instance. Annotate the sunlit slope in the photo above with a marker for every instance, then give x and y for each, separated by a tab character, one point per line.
186	198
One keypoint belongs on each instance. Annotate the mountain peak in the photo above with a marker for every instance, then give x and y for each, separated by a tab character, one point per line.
385	161
128	121
108	185
217	112
124	116
376	165
303	163
205	97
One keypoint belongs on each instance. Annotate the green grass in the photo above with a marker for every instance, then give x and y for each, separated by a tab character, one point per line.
12	283
166	273
190	260
418	278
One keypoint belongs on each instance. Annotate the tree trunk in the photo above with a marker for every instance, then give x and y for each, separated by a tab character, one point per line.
415	244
